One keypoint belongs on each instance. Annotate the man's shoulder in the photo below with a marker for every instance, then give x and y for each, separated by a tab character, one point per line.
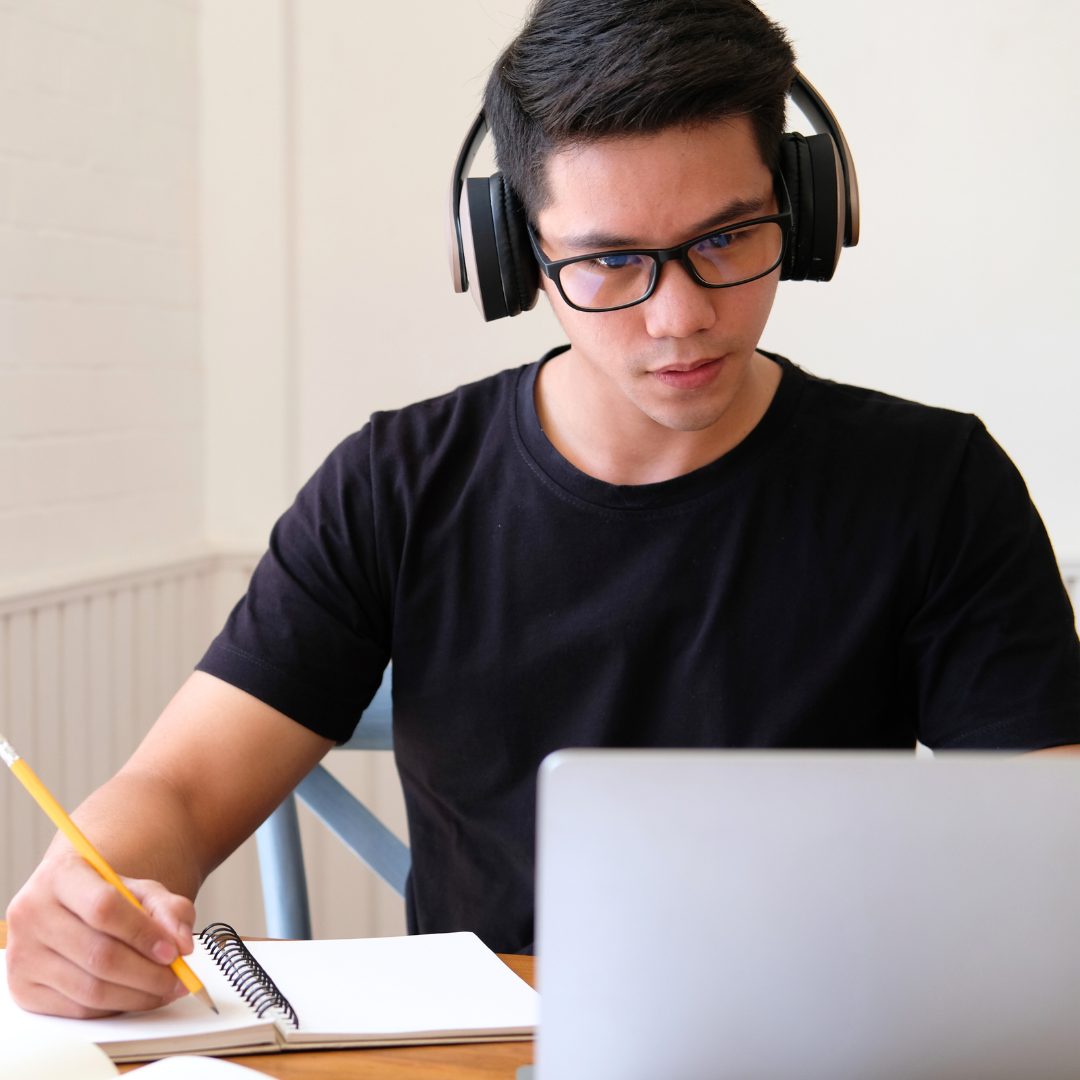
846	415
460	416
862	404
421	428
852	438
413	444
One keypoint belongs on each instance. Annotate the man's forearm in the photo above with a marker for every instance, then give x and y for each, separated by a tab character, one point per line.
213	767
143	829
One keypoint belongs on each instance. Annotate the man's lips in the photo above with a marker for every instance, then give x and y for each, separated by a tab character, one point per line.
692	376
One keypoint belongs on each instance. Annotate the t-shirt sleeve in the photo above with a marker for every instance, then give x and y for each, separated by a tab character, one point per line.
992	652
312	635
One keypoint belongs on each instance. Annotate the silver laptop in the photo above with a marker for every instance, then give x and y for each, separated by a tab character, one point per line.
783	916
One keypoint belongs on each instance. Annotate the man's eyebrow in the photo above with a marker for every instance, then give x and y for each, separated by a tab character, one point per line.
598	240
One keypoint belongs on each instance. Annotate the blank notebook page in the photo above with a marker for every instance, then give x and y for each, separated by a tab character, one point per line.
436	984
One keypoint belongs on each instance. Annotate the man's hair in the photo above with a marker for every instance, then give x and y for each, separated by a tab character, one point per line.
584	70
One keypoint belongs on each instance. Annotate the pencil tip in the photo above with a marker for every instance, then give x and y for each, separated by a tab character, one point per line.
204	997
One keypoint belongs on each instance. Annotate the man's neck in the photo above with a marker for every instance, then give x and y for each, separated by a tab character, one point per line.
605	435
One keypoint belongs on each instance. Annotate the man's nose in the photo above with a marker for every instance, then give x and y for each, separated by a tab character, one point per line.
680	306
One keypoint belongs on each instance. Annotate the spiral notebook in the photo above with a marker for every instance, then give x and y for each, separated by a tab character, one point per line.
305	995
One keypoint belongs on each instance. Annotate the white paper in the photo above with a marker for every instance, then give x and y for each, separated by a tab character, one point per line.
422	986
24	1057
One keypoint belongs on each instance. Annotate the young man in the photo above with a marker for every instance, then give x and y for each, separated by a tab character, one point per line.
658	537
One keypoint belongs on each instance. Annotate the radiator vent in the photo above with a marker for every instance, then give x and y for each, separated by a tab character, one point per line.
85	671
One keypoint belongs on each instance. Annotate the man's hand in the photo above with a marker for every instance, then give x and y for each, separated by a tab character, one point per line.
77	948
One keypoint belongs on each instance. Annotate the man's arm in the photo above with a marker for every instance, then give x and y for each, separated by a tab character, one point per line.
213	767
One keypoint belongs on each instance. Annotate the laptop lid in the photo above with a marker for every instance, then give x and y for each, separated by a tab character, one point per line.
737	914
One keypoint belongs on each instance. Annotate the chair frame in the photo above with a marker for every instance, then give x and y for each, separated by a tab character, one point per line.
281	856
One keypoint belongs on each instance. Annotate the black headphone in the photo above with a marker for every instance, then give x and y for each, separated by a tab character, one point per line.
488	237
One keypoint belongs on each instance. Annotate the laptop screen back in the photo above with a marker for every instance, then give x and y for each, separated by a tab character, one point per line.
778	915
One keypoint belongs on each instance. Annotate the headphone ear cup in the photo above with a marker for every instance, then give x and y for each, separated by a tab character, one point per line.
797	171
812	171
829	211
481	249
502	271
520	272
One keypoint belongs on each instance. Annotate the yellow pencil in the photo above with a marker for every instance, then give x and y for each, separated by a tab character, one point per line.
83	846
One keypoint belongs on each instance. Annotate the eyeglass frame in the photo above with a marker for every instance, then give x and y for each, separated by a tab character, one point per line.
680	252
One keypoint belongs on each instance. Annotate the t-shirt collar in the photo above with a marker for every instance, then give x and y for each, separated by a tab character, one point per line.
768	432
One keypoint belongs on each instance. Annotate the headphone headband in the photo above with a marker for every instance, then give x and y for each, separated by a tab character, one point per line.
465	158
817	111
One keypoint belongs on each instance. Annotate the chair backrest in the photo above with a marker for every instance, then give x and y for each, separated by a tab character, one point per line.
281	857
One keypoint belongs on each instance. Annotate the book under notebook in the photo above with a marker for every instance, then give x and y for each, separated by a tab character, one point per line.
280	995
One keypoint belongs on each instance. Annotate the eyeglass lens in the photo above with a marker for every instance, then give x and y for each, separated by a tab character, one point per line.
727	258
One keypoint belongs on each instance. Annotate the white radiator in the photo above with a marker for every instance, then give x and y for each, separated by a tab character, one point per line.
84	671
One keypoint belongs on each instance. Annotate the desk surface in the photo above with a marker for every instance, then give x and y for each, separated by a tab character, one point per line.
472	1061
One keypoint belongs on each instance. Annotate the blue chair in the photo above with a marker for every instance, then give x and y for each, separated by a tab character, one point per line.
281	858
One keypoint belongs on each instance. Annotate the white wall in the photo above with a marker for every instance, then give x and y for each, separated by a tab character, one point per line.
329	131
385	94
247	203
963	291
100	412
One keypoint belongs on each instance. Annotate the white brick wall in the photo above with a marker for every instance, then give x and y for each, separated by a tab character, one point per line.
102	394
100	381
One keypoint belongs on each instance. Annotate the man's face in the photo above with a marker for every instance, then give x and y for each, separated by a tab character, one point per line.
683	356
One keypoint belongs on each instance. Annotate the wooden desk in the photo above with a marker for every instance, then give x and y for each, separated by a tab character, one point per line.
473	1061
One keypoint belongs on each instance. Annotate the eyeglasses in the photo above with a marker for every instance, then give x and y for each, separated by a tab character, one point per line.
733	255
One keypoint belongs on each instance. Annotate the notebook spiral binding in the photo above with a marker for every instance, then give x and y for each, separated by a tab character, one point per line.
245	973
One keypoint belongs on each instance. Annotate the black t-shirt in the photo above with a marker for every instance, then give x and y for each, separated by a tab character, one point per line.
858	572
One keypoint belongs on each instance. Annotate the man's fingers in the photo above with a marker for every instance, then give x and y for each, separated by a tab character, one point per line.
109	959
64	988
37	998
175	913
103	908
